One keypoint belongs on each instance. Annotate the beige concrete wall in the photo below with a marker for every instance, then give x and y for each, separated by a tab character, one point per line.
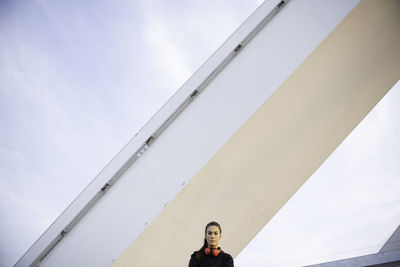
283	143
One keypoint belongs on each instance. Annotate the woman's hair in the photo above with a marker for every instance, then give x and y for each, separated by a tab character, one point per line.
200	252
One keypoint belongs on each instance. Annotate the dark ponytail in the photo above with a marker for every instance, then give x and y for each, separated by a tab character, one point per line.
200	252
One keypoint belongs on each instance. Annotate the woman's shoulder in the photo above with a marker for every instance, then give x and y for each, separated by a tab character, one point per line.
194	259
227	259
226	256
195	255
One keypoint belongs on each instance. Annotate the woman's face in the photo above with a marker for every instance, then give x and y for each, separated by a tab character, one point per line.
213	235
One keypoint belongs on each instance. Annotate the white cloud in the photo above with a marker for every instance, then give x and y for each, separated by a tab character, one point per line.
165	54
177	48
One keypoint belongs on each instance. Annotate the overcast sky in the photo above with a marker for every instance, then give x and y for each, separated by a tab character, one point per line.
79	78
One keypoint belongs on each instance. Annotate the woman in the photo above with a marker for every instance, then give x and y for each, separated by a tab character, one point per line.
210	255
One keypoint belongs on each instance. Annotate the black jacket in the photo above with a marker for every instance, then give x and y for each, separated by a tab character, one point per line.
222	260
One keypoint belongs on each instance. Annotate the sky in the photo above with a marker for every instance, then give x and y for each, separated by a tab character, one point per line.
78	79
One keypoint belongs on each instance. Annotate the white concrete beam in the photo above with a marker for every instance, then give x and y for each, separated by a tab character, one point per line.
253	175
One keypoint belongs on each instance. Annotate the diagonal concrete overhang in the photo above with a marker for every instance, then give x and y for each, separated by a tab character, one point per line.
268	159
